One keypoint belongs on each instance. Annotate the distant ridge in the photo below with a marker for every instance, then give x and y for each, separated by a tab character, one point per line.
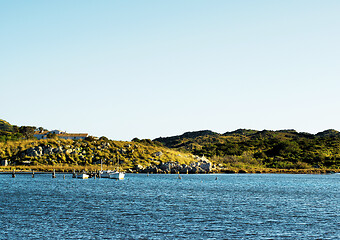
170	141
189	137
329	133
241	132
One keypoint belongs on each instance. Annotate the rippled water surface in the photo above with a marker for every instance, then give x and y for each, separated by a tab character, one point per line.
249	206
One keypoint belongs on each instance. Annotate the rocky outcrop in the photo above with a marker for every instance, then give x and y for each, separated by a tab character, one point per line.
34	152
202	165
40	151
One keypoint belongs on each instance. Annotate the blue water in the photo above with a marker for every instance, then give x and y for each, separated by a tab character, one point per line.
245	206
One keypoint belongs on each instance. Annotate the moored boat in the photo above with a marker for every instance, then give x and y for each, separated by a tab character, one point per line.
117	175
112	174
105	173
83	176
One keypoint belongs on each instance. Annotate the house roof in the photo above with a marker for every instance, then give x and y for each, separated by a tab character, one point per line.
41	133
61	134
72	135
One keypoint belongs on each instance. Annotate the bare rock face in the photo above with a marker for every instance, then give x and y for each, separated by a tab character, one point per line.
206	165
122	151
48	150
68	151
139	168
201	166
34	152
58	149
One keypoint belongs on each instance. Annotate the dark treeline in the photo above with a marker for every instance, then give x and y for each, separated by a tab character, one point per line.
10	132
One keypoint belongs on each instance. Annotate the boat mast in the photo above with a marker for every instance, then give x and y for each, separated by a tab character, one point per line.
118	163
101	165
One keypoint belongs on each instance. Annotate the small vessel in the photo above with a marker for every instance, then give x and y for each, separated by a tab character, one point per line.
112	174
105	173
83	176
117	175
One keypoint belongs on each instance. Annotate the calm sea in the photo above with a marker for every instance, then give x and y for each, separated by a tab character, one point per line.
240	206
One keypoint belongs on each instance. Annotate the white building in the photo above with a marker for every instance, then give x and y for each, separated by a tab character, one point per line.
60	134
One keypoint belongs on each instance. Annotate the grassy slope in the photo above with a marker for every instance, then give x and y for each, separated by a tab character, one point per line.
89	154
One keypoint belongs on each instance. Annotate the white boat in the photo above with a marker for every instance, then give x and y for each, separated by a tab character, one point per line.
117	175
83	176
112	174
105	173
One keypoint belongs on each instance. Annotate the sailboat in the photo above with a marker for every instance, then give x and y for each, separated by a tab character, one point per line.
113	174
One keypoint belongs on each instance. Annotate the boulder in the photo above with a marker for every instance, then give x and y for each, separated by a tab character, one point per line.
157	154
122	151
206	166
58	149
68	151
200	166
139	168
48	150
34	152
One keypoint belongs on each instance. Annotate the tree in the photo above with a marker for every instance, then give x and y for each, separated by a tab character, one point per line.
27	131
103	138
90	138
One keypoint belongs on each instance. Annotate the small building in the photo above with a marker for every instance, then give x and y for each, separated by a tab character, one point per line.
40	134
60	134
74	136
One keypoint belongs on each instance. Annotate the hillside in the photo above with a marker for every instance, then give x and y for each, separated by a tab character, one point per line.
56	152
274	149
9	132
5	126
178	141
19	148
239	149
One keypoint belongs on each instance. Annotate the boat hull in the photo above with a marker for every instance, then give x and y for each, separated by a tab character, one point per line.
112	174
106	174
83	176
117	175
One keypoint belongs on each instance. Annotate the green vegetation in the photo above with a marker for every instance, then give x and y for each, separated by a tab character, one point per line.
284	149
238	151
10	132
20	149
81	154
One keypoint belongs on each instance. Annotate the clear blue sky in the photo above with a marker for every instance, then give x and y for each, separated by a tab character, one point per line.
146	69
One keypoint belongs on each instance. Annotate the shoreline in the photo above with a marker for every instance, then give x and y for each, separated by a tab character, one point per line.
220	171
